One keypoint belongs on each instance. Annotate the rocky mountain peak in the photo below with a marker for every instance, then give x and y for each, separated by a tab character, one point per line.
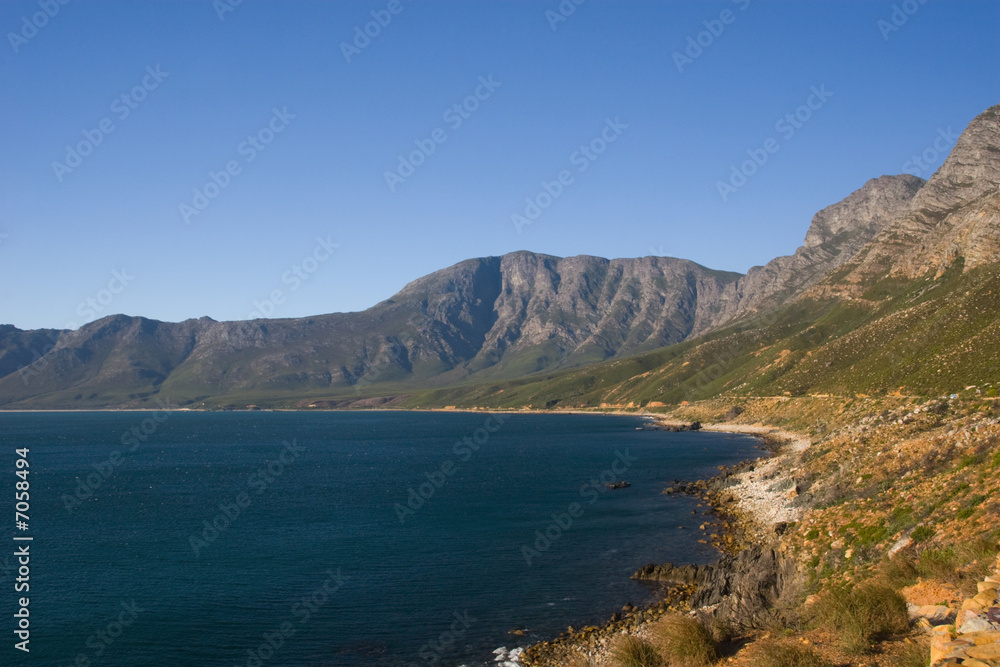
971	171
865	209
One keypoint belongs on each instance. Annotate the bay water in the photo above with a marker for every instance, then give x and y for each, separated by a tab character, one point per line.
337	538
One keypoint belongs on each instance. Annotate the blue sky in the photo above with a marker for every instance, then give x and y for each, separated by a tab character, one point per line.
270	81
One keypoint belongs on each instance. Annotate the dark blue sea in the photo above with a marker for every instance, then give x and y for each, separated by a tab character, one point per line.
335	539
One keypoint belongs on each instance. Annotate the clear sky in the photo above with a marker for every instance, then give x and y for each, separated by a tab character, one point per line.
308	129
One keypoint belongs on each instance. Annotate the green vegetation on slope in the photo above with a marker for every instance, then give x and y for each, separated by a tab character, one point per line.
920	337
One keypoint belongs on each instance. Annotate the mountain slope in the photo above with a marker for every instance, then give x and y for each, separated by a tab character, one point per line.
915	311
835	236
893	290
955	216
501	316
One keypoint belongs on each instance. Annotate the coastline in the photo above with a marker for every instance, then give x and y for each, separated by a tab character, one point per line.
743	507
748	504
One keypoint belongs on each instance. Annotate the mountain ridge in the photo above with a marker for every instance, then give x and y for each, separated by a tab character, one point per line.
501	318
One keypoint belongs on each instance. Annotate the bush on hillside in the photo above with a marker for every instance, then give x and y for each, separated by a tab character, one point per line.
684	641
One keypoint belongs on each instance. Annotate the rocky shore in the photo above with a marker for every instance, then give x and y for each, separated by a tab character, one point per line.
751	503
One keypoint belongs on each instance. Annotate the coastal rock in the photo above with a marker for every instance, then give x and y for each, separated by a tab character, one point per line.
742	587
669	573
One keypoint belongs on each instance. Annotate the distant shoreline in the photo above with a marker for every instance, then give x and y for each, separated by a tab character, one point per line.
518	411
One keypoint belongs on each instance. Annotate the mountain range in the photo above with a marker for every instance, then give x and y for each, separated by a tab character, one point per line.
894	289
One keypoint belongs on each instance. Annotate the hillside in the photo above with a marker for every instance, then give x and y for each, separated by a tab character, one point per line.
487	319
915	311
497	316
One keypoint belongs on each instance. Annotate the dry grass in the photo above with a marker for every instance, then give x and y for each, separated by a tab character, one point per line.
771	653
863	615
684	641
630	651
917	654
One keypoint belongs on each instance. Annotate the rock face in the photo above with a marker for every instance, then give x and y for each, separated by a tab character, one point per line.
746	589
955	216
836	235
554	311
496	316
865	211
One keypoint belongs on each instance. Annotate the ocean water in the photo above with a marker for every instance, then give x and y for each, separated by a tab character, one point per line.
277	538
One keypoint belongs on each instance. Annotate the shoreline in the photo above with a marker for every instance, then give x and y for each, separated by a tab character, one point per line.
744	513
747	514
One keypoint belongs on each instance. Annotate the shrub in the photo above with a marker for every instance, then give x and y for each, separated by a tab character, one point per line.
940	564
971	460
897	572
774	654
863	615
916	654
962	565
922	534
900	519
812	534
870	535
632	651
683	641
733	412
977	556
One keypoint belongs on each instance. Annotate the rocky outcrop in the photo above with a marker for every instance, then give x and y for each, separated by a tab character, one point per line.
954	217
974	639
836	235
745	589
553	311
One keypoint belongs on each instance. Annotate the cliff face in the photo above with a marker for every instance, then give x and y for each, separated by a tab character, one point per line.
499	316
589	308
956	215
835	236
